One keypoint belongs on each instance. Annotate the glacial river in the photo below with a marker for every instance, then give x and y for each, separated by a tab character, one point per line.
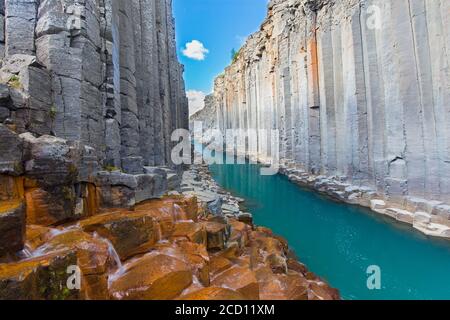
339	242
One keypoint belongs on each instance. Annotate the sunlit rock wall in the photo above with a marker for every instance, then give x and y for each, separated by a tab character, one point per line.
90	92
357	89
102	72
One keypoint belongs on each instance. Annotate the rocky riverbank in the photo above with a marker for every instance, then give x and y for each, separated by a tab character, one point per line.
431	218
353	121
177	247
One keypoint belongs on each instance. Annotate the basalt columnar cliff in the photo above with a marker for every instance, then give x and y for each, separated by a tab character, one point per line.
90	202
360	93
90	94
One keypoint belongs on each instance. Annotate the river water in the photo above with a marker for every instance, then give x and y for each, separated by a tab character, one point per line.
340	242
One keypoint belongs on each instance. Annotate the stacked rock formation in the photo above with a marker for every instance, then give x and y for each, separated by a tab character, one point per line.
104	73
162	249
90	92
359	92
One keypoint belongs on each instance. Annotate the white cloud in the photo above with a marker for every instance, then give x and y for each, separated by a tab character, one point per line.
196	101
195	50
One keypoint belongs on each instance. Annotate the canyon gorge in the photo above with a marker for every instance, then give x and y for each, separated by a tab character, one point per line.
91	204
359	93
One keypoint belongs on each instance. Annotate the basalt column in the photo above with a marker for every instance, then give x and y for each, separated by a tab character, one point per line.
358	91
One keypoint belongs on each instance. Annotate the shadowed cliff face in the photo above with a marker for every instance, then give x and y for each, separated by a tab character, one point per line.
357	89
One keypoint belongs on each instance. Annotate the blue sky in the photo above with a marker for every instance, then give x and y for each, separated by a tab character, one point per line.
207	31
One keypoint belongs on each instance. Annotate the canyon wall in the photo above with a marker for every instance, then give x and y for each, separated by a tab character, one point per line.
90	92
102	72
359	90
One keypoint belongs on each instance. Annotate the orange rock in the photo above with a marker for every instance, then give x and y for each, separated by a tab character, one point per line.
193	254
36	236
232	251
91	200
295	265
277	263
321	291
162	215
195	286
11	188
131	233
213	293
41	278
240	279
191	231
38	211
267	244
282	287
216	235
93	253
239	232
190	206
94	260
152	277
51	206
218	265
264	231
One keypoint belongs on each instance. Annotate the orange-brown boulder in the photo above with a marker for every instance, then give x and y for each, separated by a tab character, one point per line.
267	244
321	291
51	205
11	188
219	264
41	278
277	263
162	215
193	254
94	259
240	279
152	277
232	251
295	265
282	287
131	233
191	231
216	235
190	207
239	232
213	293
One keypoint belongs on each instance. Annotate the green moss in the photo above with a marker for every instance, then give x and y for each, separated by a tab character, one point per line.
52	112
73	170
14	82
111	168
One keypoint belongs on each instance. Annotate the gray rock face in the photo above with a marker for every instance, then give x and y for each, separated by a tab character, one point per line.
11	150
12	229
355	88
85	86
103	73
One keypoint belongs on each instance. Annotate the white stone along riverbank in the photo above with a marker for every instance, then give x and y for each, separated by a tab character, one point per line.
359	94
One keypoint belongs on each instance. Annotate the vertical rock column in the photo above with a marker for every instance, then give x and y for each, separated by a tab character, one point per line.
111	84
132	162
19	27
68	45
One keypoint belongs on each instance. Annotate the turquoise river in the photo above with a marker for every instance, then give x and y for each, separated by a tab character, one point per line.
339	242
